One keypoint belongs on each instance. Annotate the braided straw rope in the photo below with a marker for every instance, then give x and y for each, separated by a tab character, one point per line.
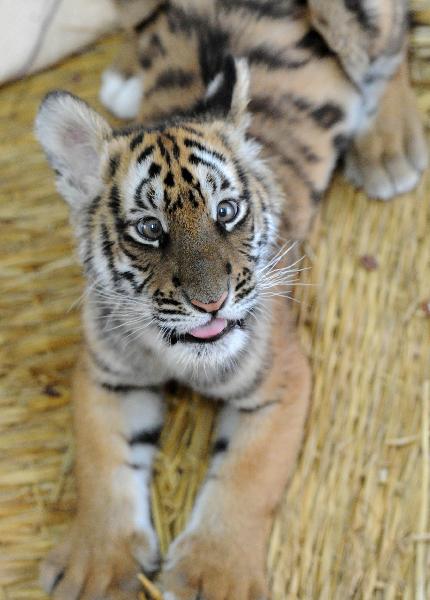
354	523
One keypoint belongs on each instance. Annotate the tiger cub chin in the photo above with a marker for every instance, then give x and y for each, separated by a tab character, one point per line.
181	221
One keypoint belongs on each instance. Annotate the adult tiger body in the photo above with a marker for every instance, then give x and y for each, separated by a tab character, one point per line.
179	220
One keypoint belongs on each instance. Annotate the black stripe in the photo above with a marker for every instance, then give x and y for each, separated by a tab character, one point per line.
113	165
245	292
220	101
136	141
193	144
145	62
172	78
272	58
115	200
151	18
171	301
298	170
193	199
107	245
58	578
306	151
196	160
115	206
144	154
290	162
298	102
120	388
363	16
255	383
138	193
164	152
171	311
315	43
192	130
341	143
133	257
327	115
137	467
273	9
150	194
316	196
92	208
154	170
186	175
265	106
169	180
257	407
178	204
129	276
176	151
221	445
211	181
145	282
157	44
212	50
101	364
149	436
241	284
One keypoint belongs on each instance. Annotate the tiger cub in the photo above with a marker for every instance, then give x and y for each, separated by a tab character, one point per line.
180	222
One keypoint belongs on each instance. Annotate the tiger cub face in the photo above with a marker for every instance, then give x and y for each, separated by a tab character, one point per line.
175	223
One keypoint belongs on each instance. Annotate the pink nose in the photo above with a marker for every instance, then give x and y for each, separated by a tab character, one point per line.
212	306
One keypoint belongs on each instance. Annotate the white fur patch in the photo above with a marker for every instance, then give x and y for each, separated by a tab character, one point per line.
121	96
142	410
214	85
227	422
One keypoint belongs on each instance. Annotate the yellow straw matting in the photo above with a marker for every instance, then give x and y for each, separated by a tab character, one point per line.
355	522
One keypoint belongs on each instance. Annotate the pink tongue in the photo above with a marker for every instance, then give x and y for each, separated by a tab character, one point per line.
212	329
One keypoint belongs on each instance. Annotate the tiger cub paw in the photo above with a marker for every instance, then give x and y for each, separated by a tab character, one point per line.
208	568
390	157
121	96
93	567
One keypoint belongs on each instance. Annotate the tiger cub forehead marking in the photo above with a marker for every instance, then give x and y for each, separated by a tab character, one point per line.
176	169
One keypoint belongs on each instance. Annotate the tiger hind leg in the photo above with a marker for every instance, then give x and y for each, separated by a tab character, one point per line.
389	155
389	151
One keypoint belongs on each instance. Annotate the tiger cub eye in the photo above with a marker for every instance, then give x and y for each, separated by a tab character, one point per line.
150	228
227	210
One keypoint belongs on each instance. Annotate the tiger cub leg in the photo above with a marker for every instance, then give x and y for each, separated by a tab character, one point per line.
389	150
112	537
221	555
389	155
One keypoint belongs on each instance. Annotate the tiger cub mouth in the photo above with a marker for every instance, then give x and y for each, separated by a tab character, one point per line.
213	331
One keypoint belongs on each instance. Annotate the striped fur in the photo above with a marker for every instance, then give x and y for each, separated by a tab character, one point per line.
247	107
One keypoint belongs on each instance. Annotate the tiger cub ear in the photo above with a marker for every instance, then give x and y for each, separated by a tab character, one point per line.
228	92
73	136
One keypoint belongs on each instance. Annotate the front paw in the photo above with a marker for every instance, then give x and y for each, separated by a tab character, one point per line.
91	565
204	567
120	95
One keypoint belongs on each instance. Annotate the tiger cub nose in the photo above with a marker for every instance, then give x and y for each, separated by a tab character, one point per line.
211	306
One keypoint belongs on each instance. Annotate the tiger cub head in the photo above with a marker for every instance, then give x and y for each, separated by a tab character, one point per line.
175	223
